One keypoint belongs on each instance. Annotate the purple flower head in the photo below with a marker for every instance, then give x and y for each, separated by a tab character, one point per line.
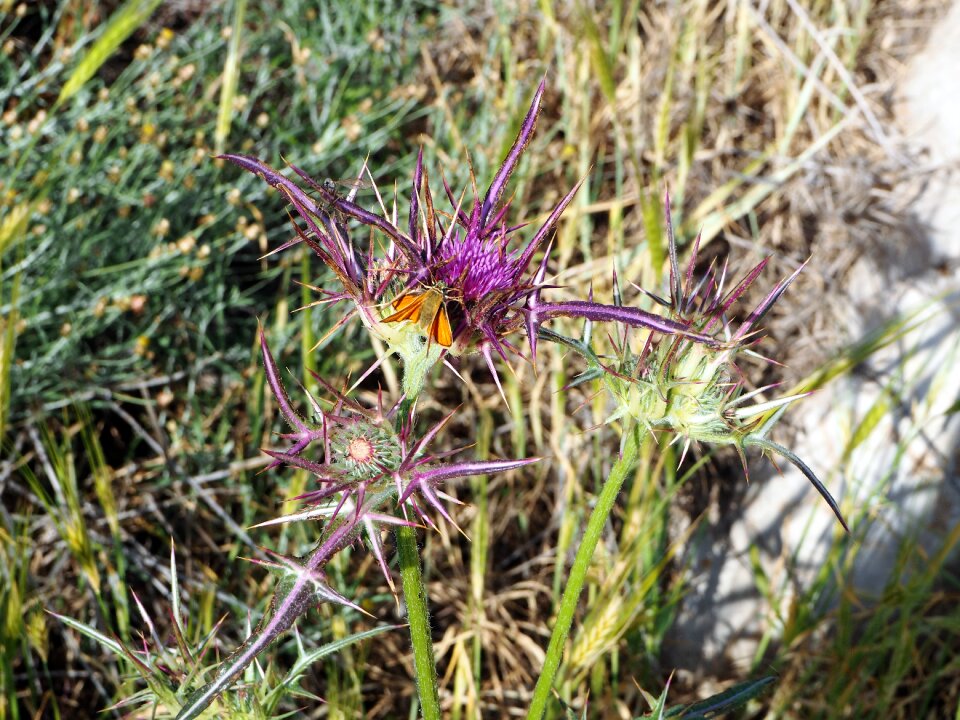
454	281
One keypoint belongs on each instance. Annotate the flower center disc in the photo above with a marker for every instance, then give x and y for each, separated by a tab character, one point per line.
360	450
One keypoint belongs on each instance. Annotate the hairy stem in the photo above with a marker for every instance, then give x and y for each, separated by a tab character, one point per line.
578	573
415	597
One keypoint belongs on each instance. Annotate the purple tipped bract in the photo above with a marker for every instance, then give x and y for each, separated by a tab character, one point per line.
367	457
490	281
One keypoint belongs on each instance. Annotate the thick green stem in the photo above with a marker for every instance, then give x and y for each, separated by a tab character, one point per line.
415	597
578	574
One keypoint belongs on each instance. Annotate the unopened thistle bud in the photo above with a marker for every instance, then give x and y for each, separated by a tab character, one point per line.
694	389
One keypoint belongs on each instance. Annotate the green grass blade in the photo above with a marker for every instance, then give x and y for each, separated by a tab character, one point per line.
879	410
231	76
12	228
598	57
305	661
121	25
652	213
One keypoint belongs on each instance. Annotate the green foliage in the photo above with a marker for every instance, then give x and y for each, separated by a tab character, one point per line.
130	283
167	673
122	24
127	266
724	702
139	259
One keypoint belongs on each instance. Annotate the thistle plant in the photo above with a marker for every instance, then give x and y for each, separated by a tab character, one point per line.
366	461
447	283
452	282
692	391
481	280
169	669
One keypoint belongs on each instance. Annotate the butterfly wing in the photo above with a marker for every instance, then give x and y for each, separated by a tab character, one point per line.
440	327
407	307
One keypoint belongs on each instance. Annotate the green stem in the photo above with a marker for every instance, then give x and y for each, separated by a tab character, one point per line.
578	574
415	597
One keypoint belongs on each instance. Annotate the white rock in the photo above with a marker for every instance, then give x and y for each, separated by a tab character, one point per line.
902	477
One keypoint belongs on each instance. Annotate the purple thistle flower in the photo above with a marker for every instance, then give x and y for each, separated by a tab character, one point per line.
458	277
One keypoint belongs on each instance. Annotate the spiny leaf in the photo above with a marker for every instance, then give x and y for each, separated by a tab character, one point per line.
109	643
723	702
771	446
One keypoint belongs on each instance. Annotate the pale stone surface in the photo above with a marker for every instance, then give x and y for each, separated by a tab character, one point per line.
905	471
931	118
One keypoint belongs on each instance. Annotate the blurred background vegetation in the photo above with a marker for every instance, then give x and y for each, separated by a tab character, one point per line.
132	405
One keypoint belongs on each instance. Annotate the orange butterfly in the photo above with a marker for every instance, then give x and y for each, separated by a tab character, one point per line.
427	309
